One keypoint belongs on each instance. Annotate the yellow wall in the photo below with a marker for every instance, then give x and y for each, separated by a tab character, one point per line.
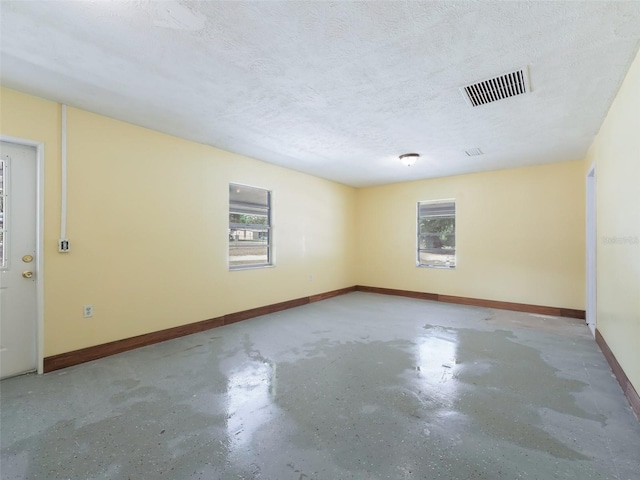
148	227
616	153
519	236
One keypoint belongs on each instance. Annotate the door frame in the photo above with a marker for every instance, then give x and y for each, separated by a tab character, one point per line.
591	253
39	146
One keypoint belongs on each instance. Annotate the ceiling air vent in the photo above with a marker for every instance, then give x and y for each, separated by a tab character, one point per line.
473	152
497	88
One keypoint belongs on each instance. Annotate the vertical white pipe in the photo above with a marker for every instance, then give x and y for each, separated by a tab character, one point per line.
63	193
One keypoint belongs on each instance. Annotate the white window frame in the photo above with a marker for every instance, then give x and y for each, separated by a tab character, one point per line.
269	227
418	233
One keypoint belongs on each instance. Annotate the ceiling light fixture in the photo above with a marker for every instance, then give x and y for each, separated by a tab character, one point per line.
409	159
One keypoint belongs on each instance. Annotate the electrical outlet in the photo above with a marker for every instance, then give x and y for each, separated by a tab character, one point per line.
63	245
88	311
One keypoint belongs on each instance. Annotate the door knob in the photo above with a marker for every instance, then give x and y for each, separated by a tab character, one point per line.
27	274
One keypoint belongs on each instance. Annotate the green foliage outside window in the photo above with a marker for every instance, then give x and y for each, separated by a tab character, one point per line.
437	233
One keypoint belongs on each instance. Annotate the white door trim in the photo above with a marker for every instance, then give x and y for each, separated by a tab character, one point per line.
591	244
39	146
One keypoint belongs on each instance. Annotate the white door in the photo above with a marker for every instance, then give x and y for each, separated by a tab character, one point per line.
18	297
591	249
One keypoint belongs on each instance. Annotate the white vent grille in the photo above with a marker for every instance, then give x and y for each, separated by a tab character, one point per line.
473	152
497	88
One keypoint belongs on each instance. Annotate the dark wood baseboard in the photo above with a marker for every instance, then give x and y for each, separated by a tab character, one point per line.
333	293
400	293
478	302
256	312
623	380
89	354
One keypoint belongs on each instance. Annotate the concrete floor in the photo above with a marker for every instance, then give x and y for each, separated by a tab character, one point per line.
360	386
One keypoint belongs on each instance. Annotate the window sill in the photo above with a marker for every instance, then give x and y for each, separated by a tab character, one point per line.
250	267
438	267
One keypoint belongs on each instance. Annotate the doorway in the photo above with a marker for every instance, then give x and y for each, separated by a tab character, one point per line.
20	258
591	249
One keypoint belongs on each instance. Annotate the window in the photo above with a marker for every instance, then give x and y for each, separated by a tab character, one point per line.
437	234
249	227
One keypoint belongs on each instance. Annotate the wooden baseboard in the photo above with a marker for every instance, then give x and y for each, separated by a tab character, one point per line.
478	302
334	293
400	293
89	354
623	380
256	312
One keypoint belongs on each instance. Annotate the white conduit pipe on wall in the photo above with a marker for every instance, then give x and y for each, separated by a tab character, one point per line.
63	243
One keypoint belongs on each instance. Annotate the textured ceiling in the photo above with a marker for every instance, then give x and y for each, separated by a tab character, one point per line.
335	89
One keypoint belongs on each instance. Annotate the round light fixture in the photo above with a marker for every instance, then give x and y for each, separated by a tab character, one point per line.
409	159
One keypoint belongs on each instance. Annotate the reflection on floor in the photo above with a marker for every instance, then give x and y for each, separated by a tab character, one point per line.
360	386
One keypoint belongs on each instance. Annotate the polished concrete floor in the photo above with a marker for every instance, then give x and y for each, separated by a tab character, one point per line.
361	386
